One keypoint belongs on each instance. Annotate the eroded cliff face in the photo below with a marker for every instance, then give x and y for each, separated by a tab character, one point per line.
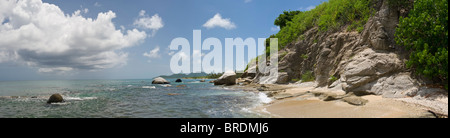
366	62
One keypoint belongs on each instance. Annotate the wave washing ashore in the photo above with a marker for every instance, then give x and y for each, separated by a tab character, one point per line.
127	99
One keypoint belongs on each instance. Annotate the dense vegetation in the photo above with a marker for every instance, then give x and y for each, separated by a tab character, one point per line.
425	33
286	17
327	16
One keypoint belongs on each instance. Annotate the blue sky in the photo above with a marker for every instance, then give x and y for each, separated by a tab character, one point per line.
178	18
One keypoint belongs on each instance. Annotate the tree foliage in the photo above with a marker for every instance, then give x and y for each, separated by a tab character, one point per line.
284	18
425	33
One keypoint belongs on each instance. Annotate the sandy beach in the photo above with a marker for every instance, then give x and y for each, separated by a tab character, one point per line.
306	101
377	107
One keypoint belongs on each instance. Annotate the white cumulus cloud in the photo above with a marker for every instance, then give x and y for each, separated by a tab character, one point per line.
58	69
218	21
171	53
275	29
85	10
153	53
96	4
42	36
307	8
153	23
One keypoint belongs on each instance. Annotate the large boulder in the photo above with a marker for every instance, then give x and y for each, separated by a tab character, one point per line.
228	78
178	81
369	66
160	80
394	86
55	98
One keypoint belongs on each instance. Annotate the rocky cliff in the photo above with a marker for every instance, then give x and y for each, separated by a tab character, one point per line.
366	62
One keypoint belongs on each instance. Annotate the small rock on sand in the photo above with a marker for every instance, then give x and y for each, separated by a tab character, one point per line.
354	100
328	96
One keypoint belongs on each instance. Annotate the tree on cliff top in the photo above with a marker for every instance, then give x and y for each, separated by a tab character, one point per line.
286	17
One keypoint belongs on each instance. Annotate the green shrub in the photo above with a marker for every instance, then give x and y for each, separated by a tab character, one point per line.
282	55
308	76
302	37
304	56
425	33
333	79
360	29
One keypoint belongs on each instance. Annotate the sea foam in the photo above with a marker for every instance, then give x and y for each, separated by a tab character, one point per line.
263	98
148	87
78	98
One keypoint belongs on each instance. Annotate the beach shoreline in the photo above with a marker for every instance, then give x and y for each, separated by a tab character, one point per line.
307	101
299	100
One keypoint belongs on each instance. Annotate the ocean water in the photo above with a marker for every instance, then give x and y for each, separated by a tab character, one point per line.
126	99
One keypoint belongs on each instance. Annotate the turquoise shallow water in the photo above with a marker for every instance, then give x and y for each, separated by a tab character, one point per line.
124	99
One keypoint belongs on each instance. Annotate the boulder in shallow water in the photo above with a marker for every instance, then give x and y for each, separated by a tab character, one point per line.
179	80
228	78
160	80
55	98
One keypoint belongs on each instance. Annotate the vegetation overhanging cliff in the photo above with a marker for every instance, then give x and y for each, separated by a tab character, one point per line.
362	46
